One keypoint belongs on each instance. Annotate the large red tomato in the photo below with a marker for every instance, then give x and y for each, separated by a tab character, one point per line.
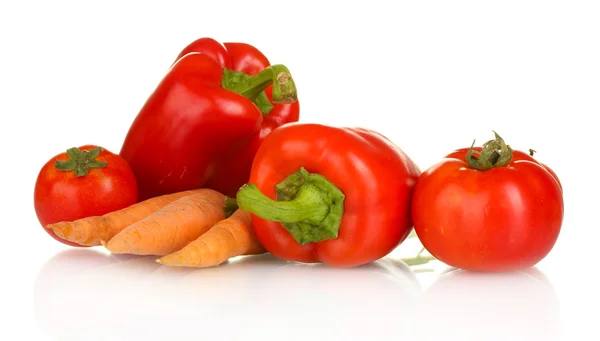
82	182
499	211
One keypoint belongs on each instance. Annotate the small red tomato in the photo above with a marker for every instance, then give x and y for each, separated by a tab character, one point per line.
82	182
499	211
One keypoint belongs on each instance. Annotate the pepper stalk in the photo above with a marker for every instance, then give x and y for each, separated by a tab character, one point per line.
308	205
253	87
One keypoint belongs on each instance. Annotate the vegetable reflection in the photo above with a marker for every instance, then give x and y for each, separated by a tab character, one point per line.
87	294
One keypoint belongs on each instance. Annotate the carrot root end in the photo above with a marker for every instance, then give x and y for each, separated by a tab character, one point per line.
104	244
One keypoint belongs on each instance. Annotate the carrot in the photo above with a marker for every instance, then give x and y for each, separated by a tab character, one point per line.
89	231
228	238
172	227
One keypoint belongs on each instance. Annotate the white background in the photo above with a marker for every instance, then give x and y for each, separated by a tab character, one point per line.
431	75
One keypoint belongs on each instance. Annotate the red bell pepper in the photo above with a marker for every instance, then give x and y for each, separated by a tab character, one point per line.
341	196
233	168
200	125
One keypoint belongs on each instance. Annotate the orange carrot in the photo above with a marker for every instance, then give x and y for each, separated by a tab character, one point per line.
229	238
90	231
172	227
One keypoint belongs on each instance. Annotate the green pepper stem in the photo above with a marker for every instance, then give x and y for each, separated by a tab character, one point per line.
494	153
309	206
284	88
253	87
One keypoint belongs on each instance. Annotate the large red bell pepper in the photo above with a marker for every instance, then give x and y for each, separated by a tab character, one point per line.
233	168
325	194
203	123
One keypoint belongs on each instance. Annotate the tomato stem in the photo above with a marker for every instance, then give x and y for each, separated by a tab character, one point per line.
308	205
494	153
80	161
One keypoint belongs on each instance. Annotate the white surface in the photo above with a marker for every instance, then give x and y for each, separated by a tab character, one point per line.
431	75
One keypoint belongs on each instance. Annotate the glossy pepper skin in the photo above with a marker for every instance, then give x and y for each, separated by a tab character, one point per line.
198	126
233	169
341	196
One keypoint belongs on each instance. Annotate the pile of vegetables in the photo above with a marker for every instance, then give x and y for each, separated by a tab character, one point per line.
217	164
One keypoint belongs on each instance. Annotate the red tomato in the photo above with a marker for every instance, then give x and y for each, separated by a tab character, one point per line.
82	182
504	218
